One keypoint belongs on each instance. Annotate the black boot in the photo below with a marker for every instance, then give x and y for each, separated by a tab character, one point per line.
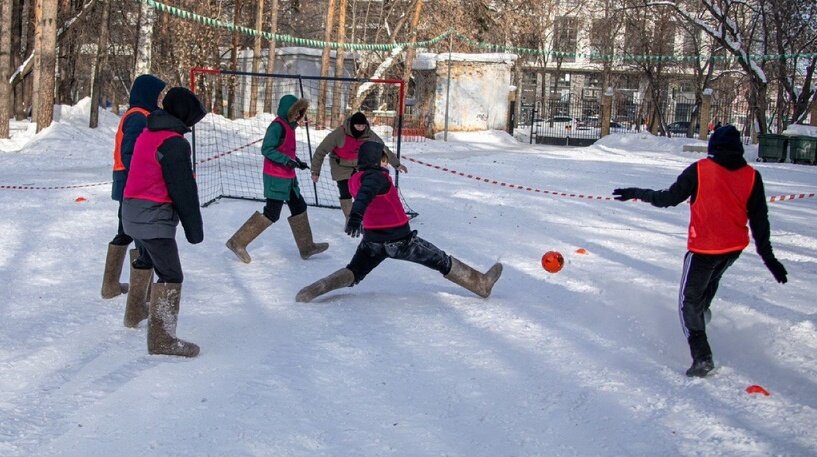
701	367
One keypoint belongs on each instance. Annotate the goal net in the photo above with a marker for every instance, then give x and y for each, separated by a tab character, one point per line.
227	142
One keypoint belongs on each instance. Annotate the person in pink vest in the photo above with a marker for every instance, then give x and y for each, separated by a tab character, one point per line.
725	194
378	214
280	184
342	146
161	191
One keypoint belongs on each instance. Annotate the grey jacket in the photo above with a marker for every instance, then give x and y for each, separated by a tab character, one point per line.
343	169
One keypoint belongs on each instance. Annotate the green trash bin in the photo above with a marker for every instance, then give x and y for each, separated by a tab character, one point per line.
772	147
803	149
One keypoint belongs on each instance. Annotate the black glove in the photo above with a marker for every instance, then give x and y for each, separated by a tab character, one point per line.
354	226
301	164
778	270
627	193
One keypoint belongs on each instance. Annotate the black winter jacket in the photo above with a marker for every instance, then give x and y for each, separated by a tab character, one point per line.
686	186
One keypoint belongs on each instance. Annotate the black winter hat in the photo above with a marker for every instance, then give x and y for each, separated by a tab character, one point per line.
725	141
369	154
358	118
184	105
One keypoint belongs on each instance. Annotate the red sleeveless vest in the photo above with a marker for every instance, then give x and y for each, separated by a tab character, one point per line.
385	211
118	165
718	217
145	180
287	148
349	149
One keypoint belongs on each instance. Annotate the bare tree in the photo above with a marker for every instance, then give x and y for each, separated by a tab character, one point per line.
271	55
48	60
99	63
327	37
144	47
5	64
735	25
256	55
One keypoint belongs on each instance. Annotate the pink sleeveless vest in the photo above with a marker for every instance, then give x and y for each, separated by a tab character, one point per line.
287	148
145	180
349	149
385	211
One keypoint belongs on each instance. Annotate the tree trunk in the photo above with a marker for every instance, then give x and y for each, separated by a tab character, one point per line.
5	64
231	81
256	56
269	89
412	50
48	61
337	110
330	23
144	46
99	64
37	54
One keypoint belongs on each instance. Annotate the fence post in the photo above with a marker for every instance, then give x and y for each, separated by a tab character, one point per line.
705	115
606	111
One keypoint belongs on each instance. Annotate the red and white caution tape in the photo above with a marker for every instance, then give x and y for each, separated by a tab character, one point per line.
773	199
75	186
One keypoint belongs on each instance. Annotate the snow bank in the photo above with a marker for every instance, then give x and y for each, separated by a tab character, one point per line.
799	129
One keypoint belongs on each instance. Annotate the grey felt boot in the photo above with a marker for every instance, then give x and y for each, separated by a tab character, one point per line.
136	307
111	287
254	226
478	283
341	278
303	236
164	314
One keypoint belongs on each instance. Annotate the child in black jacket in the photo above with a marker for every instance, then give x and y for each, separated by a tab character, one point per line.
378	214
725	193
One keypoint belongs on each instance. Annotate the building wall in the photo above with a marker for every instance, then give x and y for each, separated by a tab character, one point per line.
479	91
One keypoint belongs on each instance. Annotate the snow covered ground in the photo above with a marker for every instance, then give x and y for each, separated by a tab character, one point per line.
585	362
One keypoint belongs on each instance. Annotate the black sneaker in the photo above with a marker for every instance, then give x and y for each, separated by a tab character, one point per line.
700	368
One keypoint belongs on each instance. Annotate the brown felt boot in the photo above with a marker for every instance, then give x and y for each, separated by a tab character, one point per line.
164	313
111	287
303	236
136	309
346	206
478	283
341	278
256	224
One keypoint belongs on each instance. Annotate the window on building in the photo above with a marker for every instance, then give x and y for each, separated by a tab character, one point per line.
565	36
600	39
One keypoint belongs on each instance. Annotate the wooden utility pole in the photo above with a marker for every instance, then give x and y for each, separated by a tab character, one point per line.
268	88
337	112
256	56
99	63
5	66
48	64
327	37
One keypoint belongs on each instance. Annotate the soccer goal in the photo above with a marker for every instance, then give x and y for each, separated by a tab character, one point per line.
227	142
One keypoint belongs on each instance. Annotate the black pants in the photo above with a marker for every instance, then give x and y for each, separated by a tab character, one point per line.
122	239
296	204
163	255
699	283
343	189
412	248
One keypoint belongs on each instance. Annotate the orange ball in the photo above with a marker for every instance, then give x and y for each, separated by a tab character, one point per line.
552	261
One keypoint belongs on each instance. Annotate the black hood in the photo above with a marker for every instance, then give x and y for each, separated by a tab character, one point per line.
184	105
162	120
369	155
726	148
145	91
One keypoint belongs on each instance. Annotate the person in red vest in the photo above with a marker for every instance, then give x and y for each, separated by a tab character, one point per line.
161	191
144	98
378	214
725	194
342	146
280	184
